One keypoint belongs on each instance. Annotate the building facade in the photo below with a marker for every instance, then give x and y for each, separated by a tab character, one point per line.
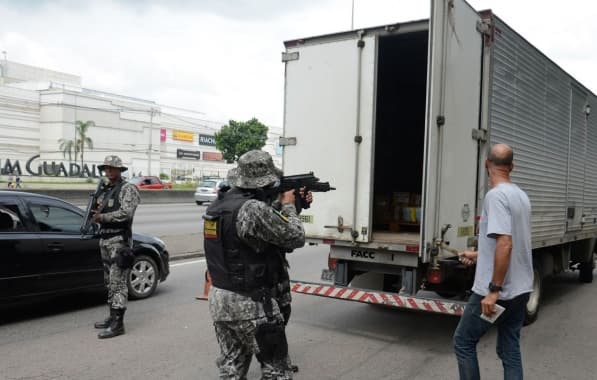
39	109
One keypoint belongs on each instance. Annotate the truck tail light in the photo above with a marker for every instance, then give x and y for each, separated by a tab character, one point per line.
332	263
434	275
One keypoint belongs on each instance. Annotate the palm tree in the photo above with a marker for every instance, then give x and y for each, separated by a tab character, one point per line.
80	142
68	147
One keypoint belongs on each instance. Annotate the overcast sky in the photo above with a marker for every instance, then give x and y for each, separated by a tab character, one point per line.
222	57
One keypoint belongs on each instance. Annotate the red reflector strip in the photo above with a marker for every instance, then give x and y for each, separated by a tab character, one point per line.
412	248
329	241
376	297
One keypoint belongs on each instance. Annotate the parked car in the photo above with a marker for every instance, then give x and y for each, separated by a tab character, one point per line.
43	251
208	189
149	182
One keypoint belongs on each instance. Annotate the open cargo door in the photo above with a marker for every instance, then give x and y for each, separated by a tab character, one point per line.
453	104
328	116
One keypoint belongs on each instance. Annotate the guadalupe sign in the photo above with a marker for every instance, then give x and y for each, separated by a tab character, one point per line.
48	169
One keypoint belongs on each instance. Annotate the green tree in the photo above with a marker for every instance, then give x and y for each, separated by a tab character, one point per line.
239	137
82	139
68	147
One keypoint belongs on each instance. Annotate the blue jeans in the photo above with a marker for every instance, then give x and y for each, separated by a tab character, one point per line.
471	328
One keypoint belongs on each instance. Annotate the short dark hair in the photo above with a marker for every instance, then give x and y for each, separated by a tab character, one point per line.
502	159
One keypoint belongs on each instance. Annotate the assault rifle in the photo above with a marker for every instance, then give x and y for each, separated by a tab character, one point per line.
306	181
91	206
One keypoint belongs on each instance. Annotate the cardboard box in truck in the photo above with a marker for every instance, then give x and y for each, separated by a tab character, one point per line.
412	108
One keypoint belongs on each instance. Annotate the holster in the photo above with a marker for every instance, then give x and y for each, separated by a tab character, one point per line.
272	342
125	258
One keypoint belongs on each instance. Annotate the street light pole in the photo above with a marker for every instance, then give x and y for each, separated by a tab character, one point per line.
150	142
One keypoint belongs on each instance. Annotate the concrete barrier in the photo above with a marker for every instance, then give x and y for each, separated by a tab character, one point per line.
80	197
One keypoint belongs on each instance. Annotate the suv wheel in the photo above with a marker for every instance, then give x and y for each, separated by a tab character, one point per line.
143	277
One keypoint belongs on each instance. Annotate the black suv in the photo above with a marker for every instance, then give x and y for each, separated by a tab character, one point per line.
42	251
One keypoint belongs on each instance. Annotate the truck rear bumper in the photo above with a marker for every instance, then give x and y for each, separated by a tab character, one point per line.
382	298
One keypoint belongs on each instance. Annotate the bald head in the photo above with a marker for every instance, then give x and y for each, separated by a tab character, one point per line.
501	155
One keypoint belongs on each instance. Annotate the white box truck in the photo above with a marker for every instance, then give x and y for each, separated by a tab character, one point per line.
399	118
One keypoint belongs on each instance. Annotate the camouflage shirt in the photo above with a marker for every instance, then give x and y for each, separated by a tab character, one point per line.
129	200
257	225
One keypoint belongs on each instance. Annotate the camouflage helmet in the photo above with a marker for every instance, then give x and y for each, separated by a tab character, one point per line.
231	176
255	169
113	161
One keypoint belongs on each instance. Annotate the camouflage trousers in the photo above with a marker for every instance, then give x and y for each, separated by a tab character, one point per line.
284	299
237	347
114	276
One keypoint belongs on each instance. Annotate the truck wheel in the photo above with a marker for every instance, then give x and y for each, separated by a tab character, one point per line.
532	309
585	273
199	203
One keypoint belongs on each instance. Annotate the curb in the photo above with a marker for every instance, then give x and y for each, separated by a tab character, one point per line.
187	255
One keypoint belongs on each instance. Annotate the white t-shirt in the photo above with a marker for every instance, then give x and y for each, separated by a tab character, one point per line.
506	211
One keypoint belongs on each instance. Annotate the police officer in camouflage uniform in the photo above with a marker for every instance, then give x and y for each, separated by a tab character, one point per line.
114	211
243	236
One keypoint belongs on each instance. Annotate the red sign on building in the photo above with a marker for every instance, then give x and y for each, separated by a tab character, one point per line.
162	134
213	156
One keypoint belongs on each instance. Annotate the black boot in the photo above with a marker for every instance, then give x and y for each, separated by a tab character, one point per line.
106	322
116	325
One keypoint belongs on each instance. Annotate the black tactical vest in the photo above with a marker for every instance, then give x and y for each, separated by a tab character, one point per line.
113	204
232	264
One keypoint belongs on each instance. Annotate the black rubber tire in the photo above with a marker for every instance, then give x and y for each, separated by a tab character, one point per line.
534	303
446	294
585	271
199	203
143	278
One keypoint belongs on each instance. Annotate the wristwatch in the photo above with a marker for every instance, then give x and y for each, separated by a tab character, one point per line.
495	288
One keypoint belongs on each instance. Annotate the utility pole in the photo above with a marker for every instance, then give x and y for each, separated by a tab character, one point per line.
149	150
352	16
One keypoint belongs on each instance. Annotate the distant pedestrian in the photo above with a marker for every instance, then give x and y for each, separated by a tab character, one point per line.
10	184
18	182
504	272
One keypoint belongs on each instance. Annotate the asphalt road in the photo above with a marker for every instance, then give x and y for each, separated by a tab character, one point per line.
179	224
170	336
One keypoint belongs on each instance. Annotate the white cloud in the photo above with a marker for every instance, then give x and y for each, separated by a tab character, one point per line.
223	57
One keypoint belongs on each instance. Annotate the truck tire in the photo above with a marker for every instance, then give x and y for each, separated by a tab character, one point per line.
585	271
532	309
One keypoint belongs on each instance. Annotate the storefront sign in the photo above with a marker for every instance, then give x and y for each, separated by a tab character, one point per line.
47	169
188	154
183	135
213	156
207	140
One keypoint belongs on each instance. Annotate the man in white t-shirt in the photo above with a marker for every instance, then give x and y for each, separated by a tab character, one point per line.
504	272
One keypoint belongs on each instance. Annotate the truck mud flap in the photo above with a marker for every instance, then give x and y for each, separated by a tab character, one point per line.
382	298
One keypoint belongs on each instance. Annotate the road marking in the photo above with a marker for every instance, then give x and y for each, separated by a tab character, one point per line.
187	263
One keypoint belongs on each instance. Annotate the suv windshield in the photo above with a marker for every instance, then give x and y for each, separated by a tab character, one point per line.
135	180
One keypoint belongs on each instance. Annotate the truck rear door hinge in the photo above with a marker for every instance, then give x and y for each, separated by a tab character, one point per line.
294	56
484	27
286	141
479	134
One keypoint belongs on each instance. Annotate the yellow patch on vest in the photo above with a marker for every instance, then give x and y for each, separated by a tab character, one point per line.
284	217
210	229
